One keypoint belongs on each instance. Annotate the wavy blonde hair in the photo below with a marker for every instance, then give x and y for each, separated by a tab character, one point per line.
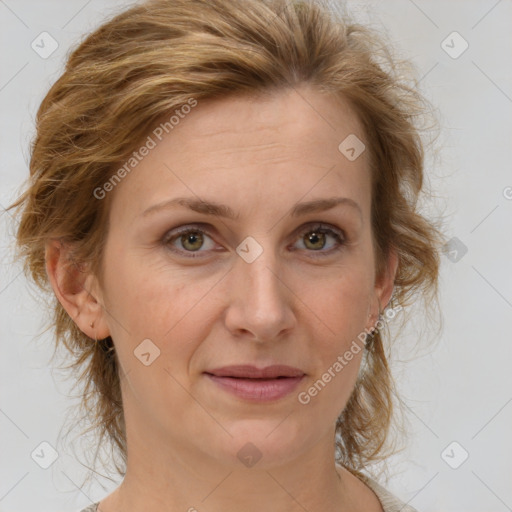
150	60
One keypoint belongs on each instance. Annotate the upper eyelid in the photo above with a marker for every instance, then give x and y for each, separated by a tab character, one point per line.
206	229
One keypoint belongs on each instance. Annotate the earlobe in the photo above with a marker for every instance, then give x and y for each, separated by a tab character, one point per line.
72	285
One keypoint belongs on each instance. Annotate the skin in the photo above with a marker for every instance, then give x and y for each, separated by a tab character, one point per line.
260	156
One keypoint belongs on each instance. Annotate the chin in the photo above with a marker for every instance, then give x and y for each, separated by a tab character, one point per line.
264	444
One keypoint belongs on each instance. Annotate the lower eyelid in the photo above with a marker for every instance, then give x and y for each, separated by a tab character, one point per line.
339	236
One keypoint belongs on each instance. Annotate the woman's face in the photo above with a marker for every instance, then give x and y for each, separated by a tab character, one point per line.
269	276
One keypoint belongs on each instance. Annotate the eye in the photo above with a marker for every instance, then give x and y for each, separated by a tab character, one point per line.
317	238
188	239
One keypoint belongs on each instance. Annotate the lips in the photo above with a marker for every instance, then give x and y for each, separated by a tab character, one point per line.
257	384
251	372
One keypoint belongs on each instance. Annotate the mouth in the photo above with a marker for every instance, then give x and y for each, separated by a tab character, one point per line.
257	384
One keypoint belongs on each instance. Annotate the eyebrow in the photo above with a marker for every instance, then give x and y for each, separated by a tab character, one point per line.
221	210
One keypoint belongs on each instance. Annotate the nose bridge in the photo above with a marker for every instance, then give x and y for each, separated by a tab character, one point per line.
263	292
261	277
260	303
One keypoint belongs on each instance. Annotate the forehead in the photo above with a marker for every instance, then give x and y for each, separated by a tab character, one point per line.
300	117
284	142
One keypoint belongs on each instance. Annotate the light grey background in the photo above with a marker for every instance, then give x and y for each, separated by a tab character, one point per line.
458	391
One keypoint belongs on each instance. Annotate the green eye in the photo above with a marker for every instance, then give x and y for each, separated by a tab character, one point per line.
316	239
191	241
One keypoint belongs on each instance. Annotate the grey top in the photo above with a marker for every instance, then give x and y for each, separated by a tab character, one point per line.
389	502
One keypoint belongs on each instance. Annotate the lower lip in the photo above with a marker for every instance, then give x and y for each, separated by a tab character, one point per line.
258	390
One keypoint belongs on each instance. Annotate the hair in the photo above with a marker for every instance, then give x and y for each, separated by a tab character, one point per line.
154	58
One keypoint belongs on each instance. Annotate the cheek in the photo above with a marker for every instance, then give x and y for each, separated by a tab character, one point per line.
342	303
337	345
155	305
152	302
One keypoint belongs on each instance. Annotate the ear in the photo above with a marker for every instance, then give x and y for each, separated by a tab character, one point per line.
76	289
384	285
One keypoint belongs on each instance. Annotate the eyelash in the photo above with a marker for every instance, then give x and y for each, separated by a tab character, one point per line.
172	235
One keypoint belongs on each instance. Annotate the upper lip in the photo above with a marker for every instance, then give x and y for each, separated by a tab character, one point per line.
252	372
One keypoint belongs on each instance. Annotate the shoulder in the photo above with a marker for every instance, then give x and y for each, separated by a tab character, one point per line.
389	502
91	508
372	494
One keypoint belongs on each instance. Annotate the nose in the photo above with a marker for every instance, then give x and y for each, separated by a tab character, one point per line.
260	300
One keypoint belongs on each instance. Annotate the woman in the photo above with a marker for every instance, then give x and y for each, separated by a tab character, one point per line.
223	200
